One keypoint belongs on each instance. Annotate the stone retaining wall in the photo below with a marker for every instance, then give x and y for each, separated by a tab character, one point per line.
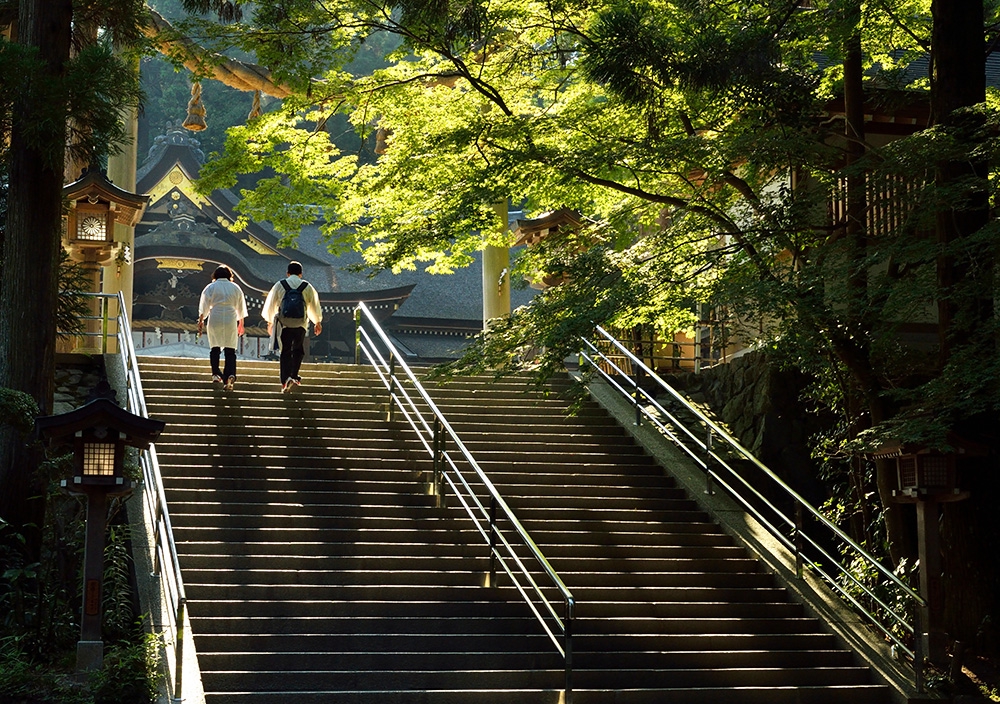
760	405
76	376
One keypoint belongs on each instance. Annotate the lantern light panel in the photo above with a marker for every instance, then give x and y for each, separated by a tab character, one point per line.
99	459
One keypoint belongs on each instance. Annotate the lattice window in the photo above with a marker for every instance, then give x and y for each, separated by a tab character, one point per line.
907	471
935	471
99	459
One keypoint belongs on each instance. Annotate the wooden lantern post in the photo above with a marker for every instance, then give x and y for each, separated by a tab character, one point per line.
101	431
927	478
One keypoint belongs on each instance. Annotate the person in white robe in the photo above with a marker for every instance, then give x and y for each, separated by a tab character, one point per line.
225	307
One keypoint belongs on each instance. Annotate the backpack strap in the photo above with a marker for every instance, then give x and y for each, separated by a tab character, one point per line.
285	284
302	286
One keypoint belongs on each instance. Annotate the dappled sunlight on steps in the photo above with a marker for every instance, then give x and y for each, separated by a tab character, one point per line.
318	568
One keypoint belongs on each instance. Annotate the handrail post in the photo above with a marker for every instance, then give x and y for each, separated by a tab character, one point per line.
798	540
568	650
436	459
709	489
179	652
157	546
392	384
918	650
638	403
493	541
105	309
357	335
442	498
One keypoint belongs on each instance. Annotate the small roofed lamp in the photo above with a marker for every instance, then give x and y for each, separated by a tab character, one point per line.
927	477
100	431
95	205
551	224
195	120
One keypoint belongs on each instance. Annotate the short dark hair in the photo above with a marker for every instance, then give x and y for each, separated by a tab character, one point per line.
223	272
295	268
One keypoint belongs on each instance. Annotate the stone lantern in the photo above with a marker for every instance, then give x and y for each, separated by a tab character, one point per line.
100	431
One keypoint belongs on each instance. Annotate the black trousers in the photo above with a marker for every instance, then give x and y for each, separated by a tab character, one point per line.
292	352
230	369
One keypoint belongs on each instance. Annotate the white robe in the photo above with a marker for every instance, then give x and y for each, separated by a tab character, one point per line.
224	304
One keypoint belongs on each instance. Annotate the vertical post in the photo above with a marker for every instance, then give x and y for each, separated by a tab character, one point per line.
436	457
357	335
637	372
442	500
697	342
105	305
931	588
568	650
119	274
157	546
90	647
392	385
637	380
493	541
709	489
918	649
496	276
179	651
798	540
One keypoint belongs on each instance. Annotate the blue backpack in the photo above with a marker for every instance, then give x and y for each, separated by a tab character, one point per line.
293	305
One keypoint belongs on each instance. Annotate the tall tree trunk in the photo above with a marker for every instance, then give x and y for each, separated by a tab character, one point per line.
958	80
30	257
965	288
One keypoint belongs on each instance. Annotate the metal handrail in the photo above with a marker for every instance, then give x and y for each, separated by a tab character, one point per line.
750	497
154	501
434	433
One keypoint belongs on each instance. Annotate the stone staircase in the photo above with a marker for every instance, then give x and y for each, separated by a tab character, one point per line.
319	569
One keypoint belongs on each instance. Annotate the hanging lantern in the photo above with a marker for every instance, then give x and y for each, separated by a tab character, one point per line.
195	120
95	205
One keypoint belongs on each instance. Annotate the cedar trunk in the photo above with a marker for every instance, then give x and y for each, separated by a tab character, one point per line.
30	256
969	531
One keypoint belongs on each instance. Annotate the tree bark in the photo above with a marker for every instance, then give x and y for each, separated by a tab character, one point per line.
958	80
29	287
965	289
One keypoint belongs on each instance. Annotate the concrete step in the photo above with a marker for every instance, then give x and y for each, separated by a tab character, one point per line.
585	612
573	554
405	482
620	628
500	643
438	536
857	694
470	592
319	569
420	561
498	678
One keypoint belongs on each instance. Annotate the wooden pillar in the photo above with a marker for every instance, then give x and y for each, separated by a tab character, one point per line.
90	647
119	275
931	588
496	274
